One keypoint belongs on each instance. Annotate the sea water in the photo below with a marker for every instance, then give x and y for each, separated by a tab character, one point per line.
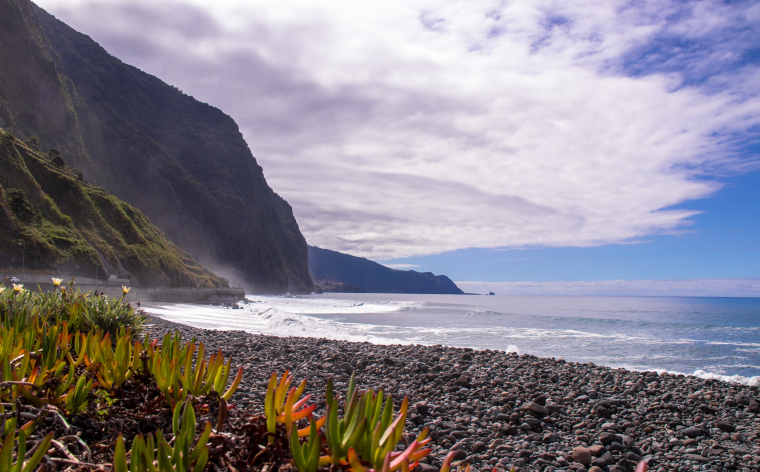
707	337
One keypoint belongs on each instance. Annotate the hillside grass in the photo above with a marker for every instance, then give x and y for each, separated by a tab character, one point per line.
59	221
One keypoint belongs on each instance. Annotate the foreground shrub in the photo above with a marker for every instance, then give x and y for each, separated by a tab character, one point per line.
83	312
58	355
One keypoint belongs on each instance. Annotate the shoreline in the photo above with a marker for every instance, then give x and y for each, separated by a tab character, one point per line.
696	370
504	410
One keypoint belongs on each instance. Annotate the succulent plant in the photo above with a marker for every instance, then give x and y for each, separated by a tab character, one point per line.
17	464
144	457
285	408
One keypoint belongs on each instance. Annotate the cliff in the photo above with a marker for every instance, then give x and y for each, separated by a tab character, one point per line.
345	270
184	163
54	220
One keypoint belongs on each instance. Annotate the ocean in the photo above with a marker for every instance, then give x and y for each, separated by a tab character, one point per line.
706	337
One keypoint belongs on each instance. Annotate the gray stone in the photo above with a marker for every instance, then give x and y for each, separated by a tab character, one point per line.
422	467
725	426
536	408
609	438
696	458
692	432
478	447
422	407
460	455
742	399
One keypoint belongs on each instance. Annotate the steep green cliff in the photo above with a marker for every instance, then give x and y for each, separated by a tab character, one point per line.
345	273
183	163
55	220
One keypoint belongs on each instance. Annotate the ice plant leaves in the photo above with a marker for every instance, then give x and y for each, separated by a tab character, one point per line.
282	407
179	458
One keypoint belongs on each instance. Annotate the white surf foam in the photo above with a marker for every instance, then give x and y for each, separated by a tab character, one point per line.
292	316
750	381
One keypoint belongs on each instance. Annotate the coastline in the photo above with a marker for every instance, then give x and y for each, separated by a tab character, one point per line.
504	410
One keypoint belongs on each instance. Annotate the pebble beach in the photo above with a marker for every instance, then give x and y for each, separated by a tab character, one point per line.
501	410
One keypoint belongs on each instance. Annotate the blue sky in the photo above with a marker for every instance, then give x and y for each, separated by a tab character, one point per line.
492	141
723	243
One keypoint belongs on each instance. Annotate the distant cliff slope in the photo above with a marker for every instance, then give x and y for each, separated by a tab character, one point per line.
54	220
182	162
371	277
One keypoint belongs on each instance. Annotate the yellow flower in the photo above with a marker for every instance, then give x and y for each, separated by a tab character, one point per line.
57	282
1	289
125	289
18	287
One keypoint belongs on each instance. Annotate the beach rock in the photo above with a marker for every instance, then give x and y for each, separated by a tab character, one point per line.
489	413
696	458
510	431
603	460
422	407
725	426
692	432
423	467
463	381
536	408
478	447
609	438
460	455
627	442
597	449
582	455
742	399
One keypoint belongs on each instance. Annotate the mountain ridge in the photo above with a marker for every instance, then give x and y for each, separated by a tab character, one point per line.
184	163
345	272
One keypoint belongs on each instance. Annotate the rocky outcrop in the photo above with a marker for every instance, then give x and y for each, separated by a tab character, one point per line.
184	163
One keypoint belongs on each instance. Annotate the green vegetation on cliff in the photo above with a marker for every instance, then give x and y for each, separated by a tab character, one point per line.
183	163
59	221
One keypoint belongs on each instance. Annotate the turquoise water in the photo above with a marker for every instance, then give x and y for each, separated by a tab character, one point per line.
709	337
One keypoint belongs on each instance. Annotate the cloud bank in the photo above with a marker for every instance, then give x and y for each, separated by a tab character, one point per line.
749	287
405	128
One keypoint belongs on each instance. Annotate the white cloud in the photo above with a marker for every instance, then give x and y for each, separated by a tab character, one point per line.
403	128
749	287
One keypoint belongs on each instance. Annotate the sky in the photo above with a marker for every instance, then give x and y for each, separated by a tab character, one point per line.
586	145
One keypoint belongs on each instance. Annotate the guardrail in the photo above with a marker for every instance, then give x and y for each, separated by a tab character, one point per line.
34	279
145	294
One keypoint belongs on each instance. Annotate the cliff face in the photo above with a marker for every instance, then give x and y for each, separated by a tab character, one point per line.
65	223
343	269
182	162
